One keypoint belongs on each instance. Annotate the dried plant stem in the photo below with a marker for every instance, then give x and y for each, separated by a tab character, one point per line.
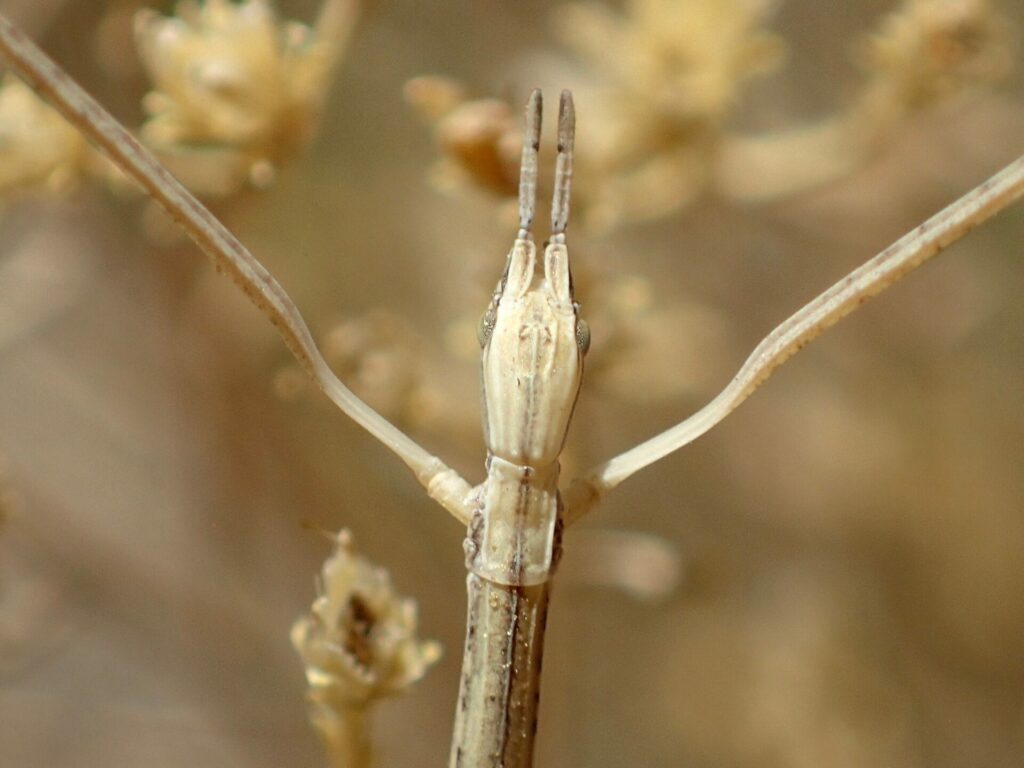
228	254
345	732
496	718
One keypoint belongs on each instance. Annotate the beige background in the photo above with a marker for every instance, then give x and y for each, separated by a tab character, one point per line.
851	537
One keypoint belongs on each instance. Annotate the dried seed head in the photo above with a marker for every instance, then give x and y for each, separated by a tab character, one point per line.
928	50
685	60
359	640
479	139
232	76
662	80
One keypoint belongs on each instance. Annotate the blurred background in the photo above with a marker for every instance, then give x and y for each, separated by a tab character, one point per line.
833	576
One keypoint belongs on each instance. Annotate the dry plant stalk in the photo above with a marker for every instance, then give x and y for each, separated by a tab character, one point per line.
359	645
533	346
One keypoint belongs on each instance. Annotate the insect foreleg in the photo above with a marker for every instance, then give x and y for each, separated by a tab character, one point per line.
137	162
806	324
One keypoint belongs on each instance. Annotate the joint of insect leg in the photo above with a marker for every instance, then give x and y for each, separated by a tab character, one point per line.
581	497
448	488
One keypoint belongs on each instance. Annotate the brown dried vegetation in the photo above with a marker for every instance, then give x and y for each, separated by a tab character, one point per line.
851	538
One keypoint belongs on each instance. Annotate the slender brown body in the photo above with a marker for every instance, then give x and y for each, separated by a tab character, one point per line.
496	719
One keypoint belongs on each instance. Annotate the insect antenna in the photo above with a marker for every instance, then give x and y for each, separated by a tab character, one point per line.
528	166
563	167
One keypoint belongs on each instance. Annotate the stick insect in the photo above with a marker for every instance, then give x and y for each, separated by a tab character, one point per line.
533	342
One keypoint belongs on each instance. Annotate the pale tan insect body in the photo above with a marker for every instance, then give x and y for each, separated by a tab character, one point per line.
532	365
532	369
533	343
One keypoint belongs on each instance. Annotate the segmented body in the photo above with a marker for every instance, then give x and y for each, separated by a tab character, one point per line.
532	364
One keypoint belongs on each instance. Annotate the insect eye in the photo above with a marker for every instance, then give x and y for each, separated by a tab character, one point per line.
582	335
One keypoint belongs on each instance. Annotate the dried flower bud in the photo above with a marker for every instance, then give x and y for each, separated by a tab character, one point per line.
479	139
482	139
684	60
359	640
434	96
38	148
233	76
929	50
666	74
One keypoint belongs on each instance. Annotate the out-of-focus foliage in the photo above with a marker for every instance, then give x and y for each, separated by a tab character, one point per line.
37	147
234	83
850	539
236	91
665	79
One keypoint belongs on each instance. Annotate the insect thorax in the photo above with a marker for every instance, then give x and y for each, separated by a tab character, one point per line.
514	536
